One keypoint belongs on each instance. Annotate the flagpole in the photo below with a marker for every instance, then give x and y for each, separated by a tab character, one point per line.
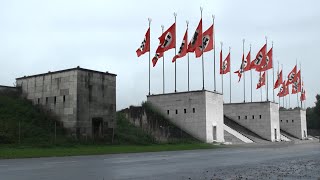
188	57
273	75
260	87
175	52
201	9
267	79
230	72
221	66
163	84
214	55
278	78
244	77
149	19
298	84
250	73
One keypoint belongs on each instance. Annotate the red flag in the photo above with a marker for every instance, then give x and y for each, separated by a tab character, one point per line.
284	90
267	63
155	59
262	80
207	39
225	65
291	75
247	62
279	80
167	39
183	48
296	85
196	39
258	61
241	70
145	45
303	94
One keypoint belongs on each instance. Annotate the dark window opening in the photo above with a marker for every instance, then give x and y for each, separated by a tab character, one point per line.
194	110
287	121
252	116
185	111
260	116
238	117
245	117
64	98
281	120
292	120
55	100
168	112
38	100
176	111
47	100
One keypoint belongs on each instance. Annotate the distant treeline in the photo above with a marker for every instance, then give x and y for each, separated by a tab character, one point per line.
313	115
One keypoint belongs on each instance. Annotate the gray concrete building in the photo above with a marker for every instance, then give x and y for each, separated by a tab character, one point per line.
261	118
200	113
83	99
293	122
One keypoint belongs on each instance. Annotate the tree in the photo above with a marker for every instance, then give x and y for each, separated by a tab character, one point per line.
313	115
317	107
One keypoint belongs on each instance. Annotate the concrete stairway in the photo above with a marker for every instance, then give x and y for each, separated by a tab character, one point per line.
243	130
234	137
289	136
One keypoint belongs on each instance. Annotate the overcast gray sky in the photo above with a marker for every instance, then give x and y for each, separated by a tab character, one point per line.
38	36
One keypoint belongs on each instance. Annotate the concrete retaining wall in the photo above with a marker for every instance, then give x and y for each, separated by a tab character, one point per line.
261	118
293	121
200	113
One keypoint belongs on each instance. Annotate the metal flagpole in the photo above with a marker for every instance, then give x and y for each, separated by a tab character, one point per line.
244	77
163	84
267	79
273	75
175	52
221	66
260	87
201	9
188	57
230	72
289	98
250	73
214	55
149	19
298	82
278	78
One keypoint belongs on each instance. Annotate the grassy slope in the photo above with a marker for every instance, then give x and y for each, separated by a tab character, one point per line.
37	127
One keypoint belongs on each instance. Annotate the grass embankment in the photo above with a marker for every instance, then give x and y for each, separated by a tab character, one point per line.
7	152
37	135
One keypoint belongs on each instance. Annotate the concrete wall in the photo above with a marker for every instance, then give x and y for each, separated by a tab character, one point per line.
76	96
96	99
200	113
56	92
8	89
259	117
294	122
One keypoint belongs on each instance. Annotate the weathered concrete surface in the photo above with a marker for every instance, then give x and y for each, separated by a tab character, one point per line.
200	113
261	118
76	95
293	121
274	161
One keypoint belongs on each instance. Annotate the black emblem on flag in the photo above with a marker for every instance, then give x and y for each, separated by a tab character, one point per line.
167	40
194	38
143	44
205	42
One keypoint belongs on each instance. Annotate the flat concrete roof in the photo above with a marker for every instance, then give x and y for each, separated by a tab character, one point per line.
250	102
65	70
183	92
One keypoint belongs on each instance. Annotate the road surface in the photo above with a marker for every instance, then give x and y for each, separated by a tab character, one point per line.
278	161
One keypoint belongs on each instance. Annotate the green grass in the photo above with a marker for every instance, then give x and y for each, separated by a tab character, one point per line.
9	152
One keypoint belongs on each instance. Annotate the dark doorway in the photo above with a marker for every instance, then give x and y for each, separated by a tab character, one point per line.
304	134
97	127
275	134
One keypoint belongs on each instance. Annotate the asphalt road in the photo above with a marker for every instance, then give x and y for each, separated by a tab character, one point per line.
279	161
